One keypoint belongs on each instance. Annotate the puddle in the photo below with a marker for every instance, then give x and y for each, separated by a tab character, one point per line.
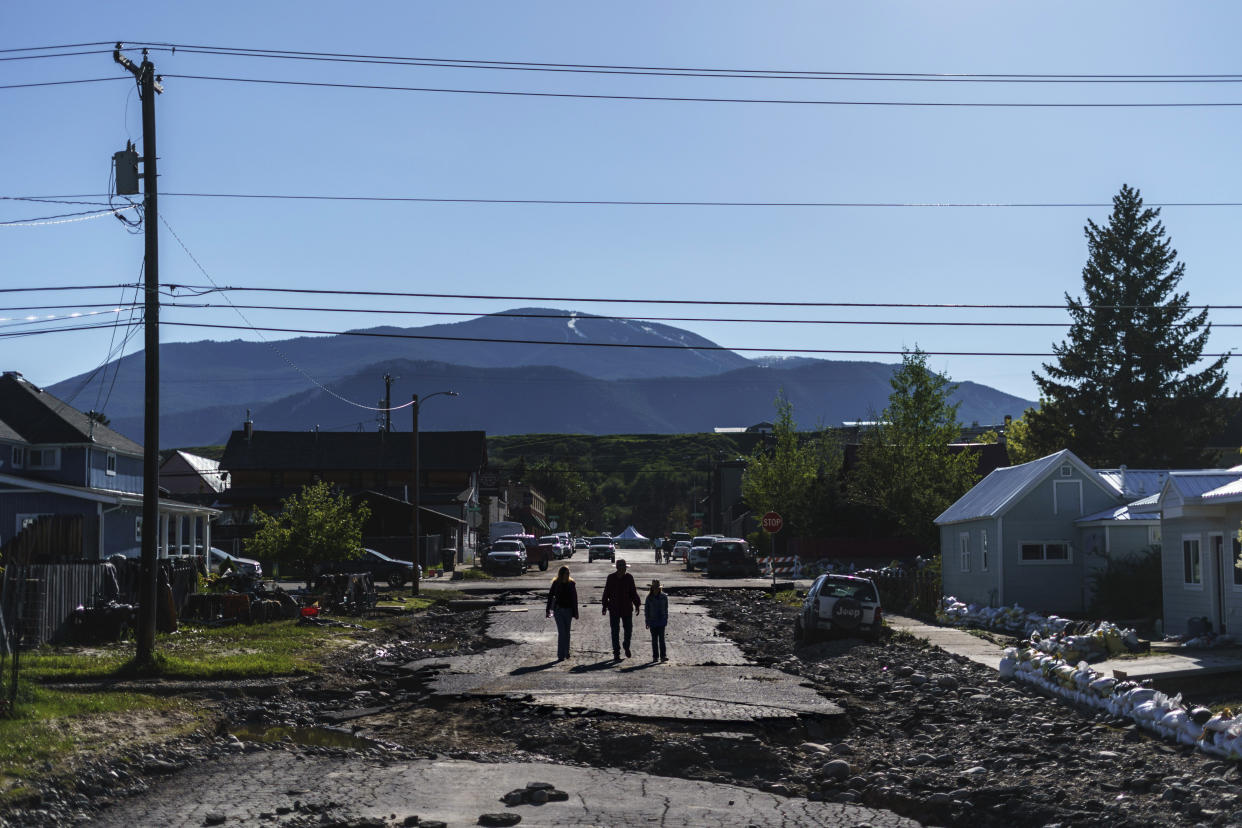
310	736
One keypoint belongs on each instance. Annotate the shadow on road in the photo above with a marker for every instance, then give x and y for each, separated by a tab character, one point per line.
598	665
521	671
642	666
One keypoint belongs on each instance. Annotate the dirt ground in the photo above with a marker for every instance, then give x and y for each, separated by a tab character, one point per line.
926	735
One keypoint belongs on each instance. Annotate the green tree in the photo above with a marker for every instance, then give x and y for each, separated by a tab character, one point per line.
906	471
785	478
1018	444
315	525
1122	389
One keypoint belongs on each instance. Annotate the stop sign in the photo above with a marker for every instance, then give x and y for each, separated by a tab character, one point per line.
772	522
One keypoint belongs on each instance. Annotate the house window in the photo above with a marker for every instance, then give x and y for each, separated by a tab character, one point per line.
983	550
963	542
1192	563
1237	562
110	465
1153	535
278	479
19	456
48	458
1067	470
138	529
1045	552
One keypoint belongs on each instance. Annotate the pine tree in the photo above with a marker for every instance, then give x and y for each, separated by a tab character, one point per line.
1121	389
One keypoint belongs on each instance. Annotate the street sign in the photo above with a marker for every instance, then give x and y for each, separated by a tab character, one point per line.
698	523
772	522
552	524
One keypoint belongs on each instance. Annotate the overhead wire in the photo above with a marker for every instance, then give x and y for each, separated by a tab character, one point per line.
703	99
270	344
205	289
643	203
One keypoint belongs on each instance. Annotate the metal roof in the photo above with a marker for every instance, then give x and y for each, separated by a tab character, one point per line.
1230	491
1147	508
1135	482
992	495
1192	485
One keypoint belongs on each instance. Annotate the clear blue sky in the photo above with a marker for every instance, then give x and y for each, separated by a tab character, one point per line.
217	137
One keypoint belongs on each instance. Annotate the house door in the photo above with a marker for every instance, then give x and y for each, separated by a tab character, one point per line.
1216	549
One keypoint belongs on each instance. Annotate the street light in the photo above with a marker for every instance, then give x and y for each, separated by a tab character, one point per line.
414	405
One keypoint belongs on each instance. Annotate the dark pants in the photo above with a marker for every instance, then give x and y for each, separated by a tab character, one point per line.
616	621
563	616
657	644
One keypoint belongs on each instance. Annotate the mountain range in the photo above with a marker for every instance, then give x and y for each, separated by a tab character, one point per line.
521	371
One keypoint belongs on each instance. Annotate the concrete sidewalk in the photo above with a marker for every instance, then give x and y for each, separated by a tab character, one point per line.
1163	665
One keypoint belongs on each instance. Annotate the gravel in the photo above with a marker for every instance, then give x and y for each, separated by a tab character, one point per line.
926	734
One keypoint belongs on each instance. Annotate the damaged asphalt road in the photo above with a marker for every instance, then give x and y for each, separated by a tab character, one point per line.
893	729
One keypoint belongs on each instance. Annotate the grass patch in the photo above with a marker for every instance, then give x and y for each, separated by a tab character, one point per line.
475	575
51	729
279	648
788	597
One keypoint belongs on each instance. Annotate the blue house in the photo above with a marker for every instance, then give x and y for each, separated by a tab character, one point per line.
1033	534
57	462
1201	556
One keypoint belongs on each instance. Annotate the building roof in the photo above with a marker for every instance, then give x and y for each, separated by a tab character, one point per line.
1132	483
1192	485
205	468
102	495
1148	508
320	451
993	495
33	415
1226	493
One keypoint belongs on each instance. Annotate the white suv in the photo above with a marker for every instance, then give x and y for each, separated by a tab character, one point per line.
696	558
602	547
839	604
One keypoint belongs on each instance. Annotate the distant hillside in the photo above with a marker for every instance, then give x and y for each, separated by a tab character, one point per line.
505	387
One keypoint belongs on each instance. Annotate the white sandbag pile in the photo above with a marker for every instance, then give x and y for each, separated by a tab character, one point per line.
1217	734
1070	640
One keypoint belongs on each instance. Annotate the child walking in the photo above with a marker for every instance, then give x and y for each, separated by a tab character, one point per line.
657	619
563	606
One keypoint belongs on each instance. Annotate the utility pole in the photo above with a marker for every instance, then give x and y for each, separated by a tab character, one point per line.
387	403
148	577
414	589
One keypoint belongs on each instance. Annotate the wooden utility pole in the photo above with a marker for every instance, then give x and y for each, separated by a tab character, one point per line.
414	493
148	577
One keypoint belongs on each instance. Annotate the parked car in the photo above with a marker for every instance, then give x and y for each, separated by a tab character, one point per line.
395	571
535	555
601	547
680	550
696	558
731	556
558	548
507	555
840	604
219	561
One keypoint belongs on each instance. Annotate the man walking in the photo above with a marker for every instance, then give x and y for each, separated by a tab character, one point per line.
620	603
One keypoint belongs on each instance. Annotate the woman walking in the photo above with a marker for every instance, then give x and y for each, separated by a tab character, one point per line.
563	606
657	619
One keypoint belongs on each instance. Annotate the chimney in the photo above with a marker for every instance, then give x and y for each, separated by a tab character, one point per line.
248	426
1125	489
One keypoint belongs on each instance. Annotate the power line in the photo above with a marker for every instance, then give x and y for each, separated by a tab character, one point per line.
205	289
587	318
674	71
58	83
637	203
63	287
697	99
57	55
53	48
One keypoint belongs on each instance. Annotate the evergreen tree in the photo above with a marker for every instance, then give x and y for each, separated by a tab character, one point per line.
906	470
1121	389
